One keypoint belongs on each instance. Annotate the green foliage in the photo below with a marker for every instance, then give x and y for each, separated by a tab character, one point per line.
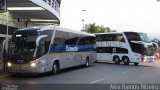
93	28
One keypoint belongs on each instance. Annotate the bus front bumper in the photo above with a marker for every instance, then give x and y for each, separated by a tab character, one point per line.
149	59
22	68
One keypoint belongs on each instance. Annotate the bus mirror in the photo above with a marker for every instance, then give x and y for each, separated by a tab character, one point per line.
5	44
139	42
39	38
155	45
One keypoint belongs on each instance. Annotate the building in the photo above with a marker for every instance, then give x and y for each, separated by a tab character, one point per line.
26	13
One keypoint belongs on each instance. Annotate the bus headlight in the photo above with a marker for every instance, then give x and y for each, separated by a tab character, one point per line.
9	64
33	64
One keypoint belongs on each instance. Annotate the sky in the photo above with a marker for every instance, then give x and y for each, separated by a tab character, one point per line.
120	15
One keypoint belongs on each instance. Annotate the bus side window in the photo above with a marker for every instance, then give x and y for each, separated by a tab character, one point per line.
71	41
120	38
58	41
47	46
41	48
92	40
48	32
84	41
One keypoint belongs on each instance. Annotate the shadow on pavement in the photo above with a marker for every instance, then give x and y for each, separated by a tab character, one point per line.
27	76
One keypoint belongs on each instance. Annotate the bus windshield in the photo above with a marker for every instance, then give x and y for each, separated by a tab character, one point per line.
140	43
144	37
22	45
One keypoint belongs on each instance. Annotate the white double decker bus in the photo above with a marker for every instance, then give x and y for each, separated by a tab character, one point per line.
126	47
49	48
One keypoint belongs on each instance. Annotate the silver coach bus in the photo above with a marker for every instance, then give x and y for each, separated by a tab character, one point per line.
49	49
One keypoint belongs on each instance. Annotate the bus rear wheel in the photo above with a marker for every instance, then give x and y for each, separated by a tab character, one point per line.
54	68
87	62
136	64
116	60
125	60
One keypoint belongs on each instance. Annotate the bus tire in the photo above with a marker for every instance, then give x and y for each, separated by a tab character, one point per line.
116	60
55	68
136	64
87	62
125	60
95	61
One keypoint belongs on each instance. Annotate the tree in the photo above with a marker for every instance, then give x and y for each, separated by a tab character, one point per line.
93	28
102	29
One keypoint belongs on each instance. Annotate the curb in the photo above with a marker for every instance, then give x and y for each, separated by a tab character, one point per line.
4	74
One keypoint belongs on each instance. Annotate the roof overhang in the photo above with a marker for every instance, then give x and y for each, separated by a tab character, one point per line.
41	13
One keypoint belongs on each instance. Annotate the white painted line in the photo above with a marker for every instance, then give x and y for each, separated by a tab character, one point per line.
98	80
126	71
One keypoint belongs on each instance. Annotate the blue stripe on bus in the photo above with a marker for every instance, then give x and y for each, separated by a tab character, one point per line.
28	31
72	48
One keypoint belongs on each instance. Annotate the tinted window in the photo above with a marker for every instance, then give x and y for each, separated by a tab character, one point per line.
47	40
71	41
110	37
132	36
22	45
144	37
84	41
65	38
137	47
49	33
87	40
112	50
92	39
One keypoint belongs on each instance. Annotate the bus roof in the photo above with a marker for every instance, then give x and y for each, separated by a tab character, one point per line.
65	30
116	32
53	27
31	28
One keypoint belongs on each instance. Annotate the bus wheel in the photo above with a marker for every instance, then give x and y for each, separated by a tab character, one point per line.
96	61
54	68
87	62
136	64
116	60
125	60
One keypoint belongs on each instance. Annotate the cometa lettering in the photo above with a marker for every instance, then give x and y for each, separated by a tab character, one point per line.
109	44
71	49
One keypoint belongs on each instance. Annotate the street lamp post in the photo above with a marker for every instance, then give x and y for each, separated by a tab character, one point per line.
83	17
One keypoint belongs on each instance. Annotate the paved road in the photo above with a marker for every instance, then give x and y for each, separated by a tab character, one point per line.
96	73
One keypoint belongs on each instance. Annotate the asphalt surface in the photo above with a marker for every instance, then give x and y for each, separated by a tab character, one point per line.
96	73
